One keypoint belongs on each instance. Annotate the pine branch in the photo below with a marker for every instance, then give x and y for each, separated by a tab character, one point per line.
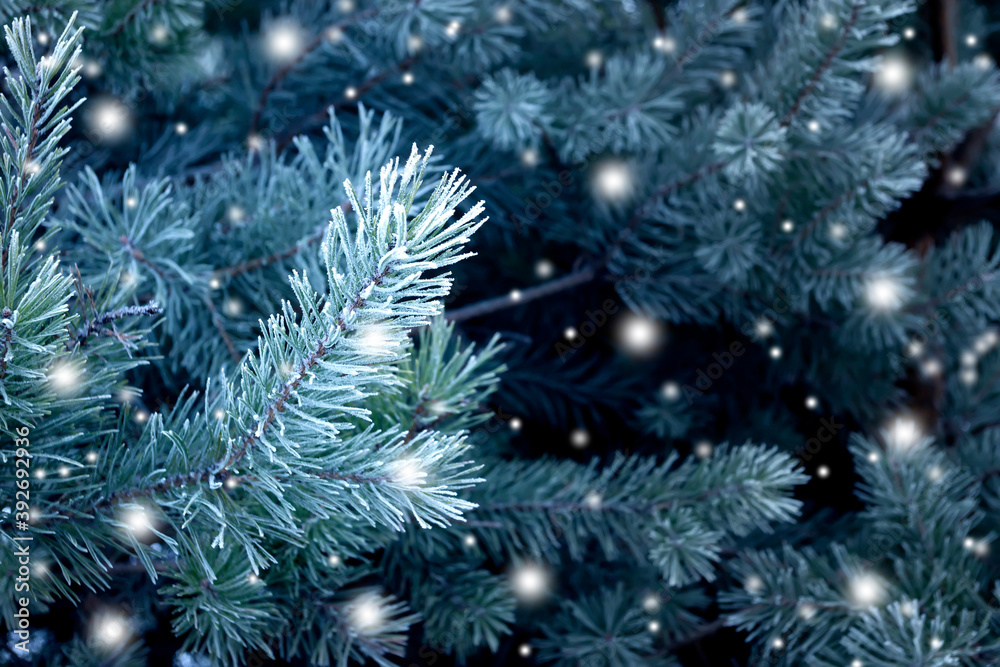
323	347
50	80
255	432
19	183
430	240
147	310
828	60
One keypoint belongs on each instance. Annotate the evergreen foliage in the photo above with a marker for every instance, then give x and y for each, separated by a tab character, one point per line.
272	384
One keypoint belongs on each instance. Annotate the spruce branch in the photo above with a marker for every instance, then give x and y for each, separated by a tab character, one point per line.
341	432
548	504
708	31
952	103
662	191
824	66
940	115
818	219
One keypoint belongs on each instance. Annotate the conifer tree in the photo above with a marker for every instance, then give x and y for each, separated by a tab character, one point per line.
558	332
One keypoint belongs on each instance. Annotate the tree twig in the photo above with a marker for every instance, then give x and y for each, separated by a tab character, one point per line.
579	277
217	321
291	251
835	50
97	323
944	24
585	274
699	633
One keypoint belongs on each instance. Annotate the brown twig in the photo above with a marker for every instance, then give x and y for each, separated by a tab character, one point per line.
944	42
817	220
939	115
585	274
220	327
944	31
139	256
696	635
664	190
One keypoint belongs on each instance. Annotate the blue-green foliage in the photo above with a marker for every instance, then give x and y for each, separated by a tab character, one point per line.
322	469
